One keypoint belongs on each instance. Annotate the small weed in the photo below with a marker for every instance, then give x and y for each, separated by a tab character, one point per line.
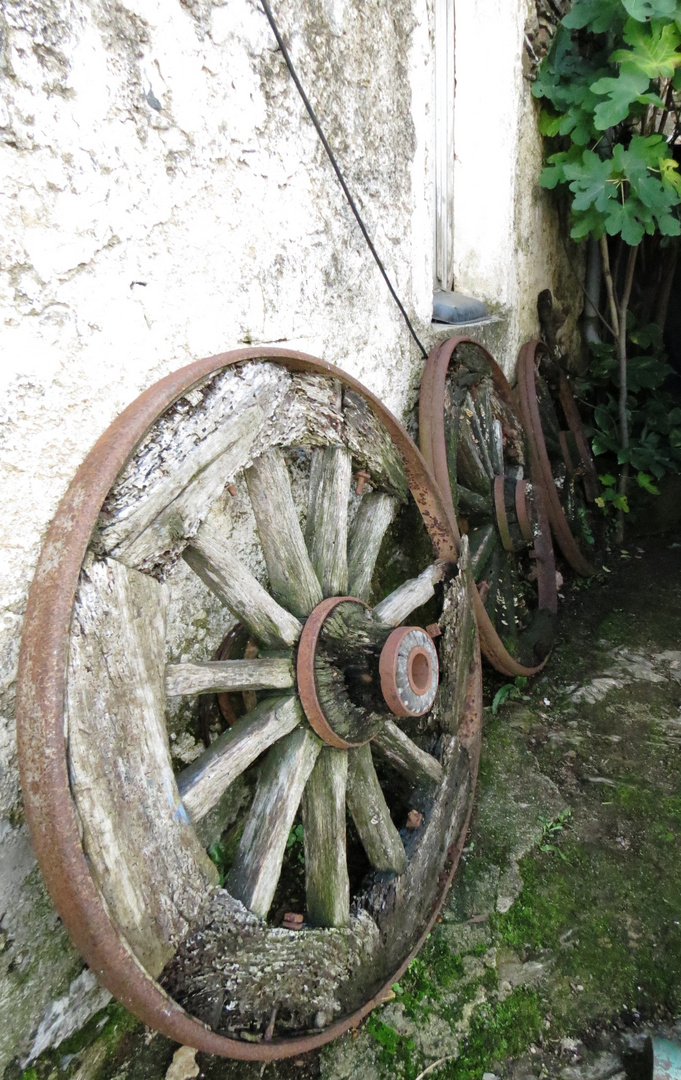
551	829
508	692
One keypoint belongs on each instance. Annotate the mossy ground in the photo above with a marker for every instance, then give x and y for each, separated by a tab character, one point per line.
564	920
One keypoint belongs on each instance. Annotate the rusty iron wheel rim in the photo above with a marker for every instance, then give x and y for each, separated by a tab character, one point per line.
433	447
305	673
529	406
41	692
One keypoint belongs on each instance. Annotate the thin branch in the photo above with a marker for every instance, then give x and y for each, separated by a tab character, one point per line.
441	1061
612	302
623	418
667	105
579	281
622	346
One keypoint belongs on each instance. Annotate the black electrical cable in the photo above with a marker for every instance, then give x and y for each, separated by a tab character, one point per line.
294	75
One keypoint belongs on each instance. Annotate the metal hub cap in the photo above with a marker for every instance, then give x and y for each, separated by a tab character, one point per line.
409	671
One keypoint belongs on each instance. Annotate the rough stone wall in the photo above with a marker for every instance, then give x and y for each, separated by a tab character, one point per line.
165	197
507	245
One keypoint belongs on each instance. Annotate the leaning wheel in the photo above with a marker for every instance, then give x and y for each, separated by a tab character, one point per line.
233	479
566	468
473	439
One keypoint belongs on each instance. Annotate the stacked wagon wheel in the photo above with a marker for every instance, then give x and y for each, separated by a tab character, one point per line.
473	438
342	705
566	469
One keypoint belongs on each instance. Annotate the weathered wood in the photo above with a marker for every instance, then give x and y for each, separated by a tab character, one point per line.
326	529
482	544
327	887
498	446
254	876
162	520
492	575
183	464
475	416
411	595
309	415
144	855
373	517
202	783
292	578
456	646
405	902
218	676
210	557
507	625
470	467
371	815
474	506
234	970
404	755
372	448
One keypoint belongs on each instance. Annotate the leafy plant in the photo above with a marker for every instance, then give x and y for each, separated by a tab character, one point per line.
611	100
295	844
551	830
654	417
508	692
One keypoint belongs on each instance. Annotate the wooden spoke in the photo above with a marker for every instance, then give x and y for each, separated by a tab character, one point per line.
209	556
326	530
292	578
492	577
507	619
203	782
482	543
254	876
468	457
116	668
497	447
408	758
476	419
370	813
218	676
327	885
415	592
474	507
374	515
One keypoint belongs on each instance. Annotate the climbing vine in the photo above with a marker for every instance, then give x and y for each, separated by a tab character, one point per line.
611	98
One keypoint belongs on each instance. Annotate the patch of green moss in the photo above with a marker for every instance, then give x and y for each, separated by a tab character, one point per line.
396	1052
616	627
607	918
497	1031
109	1028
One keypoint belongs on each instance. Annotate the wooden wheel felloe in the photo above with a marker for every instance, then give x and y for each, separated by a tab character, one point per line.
322	677
472	437
566	468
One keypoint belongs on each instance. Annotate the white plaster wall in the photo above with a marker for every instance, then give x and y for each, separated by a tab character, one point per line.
164	197
507	244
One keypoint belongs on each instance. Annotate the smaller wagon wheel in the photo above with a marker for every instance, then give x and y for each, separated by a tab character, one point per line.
566	469
332	705
472	437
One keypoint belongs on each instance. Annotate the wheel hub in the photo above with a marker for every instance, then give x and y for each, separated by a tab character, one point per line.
407	666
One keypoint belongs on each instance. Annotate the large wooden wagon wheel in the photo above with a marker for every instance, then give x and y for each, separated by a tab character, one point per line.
566	469
472	437
349	707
